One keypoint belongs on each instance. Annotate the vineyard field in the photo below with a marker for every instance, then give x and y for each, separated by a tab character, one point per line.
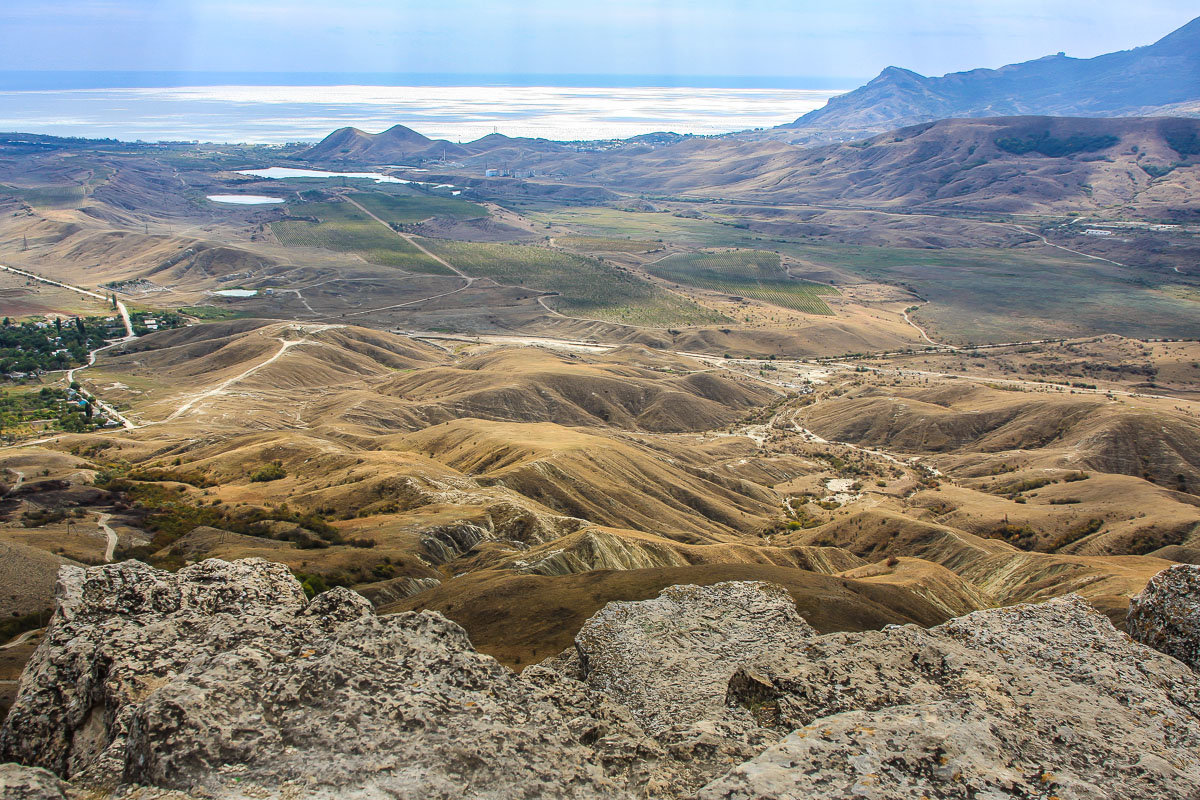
343	228
756	274
405	210
585	287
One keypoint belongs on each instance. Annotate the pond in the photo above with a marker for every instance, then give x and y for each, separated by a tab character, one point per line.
280	173
245	199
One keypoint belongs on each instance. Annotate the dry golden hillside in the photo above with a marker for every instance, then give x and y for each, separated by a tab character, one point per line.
465	477
517	403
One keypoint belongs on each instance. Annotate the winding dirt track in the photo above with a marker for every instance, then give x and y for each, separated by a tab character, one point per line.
20	640
921	331
109	534
1049	243
223	385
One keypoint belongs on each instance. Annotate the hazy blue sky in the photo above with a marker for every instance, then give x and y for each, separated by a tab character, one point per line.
685	37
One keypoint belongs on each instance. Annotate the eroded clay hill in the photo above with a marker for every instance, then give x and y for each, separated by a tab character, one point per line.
520	488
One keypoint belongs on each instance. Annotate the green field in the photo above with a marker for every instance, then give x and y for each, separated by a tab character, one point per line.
213	312
653	227
976	294
602	244
586	287
48	196
405	210
757	274
345	229
992	294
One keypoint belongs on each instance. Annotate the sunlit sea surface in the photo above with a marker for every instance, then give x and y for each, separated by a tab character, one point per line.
278	114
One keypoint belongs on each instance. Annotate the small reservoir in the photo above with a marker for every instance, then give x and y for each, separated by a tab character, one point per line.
280	173
245	199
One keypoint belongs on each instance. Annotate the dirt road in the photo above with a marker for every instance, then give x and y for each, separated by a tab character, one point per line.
109	534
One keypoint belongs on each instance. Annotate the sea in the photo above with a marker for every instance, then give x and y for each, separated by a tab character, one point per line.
278	108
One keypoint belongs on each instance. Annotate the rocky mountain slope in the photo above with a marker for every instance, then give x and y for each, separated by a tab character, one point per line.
222	681
1159	79
1009	164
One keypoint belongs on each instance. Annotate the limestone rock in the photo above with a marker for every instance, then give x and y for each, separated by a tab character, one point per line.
222	680
670	659
119	632
1166	615
399	705
31	783
1029	701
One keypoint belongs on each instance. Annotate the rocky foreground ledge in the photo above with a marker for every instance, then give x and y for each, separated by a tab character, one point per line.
222	681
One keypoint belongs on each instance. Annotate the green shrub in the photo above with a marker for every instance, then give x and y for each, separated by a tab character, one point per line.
1047	145
270	472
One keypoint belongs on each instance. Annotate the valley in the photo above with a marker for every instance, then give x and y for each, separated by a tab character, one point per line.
515	400
942	369
854	457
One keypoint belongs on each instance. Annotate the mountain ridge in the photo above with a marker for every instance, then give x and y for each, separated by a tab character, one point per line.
1138	82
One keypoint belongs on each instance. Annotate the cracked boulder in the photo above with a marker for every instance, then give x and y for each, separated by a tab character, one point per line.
1166	614
224	681
1030	701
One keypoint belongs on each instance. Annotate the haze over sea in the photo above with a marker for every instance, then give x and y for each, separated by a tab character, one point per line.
74	104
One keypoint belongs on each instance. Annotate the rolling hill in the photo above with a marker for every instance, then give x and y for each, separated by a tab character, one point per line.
1029	163
398	142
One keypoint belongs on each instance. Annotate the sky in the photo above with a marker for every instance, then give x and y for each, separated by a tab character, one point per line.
847	38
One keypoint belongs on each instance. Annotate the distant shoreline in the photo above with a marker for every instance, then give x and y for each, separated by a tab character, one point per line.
286	113
61	80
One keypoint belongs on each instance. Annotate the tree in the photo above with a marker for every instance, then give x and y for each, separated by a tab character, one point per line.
79	327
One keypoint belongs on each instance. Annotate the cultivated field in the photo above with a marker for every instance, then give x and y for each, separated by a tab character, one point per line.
757	274
405	210
343	228
606	244
976	294
987	294
48	196
586	287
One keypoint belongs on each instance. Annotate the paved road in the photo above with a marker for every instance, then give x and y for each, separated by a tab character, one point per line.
129	334
103	406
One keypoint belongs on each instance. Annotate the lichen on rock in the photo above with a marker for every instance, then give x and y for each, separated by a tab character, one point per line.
1166	614
223	681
